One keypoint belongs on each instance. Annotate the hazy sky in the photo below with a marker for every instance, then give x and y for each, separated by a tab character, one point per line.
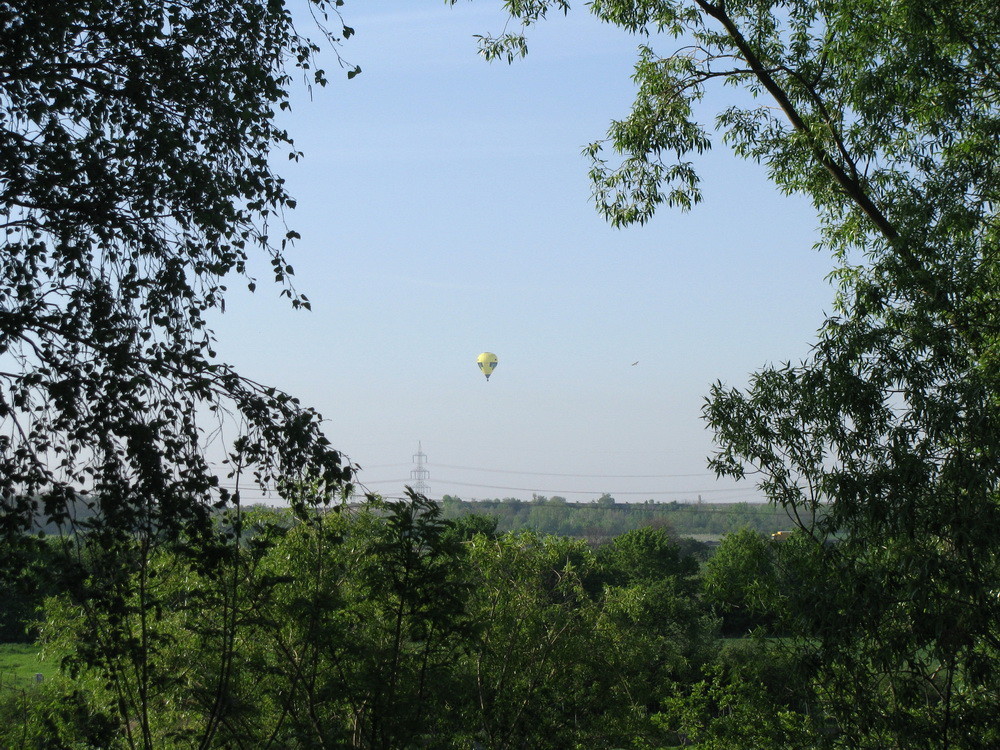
445	210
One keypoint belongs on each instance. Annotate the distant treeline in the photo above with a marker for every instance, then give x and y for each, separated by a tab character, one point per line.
596	522
606	518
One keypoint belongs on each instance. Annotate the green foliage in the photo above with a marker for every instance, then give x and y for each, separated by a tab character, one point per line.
600	523
135	178
55	716
884	445
408	603
644	555
135	183
755	701
535	660
465	528
35	568
741	581
385	626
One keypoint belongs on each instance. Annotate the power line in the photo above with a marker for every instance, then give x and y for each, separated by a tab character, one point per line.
587	492
582	476
561	492
402	480
724	507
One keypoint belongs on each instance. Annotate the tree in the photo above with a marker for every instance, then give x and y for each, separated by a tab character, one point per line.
538	670
658	632
644	555
346	631
411	602
741	581
134	178
360	642
887	439
40	561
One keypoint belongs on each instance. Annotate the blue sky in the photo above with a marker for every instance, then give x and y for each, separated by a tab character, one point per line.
445	210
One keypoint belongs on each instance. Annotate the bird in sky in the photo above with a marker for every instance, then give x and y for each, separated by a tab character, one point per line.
635	363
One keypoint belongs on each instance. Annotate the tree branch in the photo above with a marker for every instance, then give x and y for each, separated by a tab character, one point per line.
852	187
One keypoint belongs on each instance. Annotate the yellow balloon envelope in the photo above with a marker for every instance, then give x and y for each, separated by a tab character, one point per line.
487	363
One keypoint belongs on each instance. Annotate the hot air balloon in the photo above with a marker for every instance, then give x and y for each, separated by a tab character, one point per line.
487	363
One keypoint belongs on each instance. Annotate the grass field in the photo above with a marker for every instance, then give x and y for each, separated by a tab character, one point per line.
20	662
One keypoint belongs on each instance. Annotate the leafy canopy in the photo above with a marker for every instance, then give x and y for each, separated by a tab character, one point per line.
886	440
135	178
